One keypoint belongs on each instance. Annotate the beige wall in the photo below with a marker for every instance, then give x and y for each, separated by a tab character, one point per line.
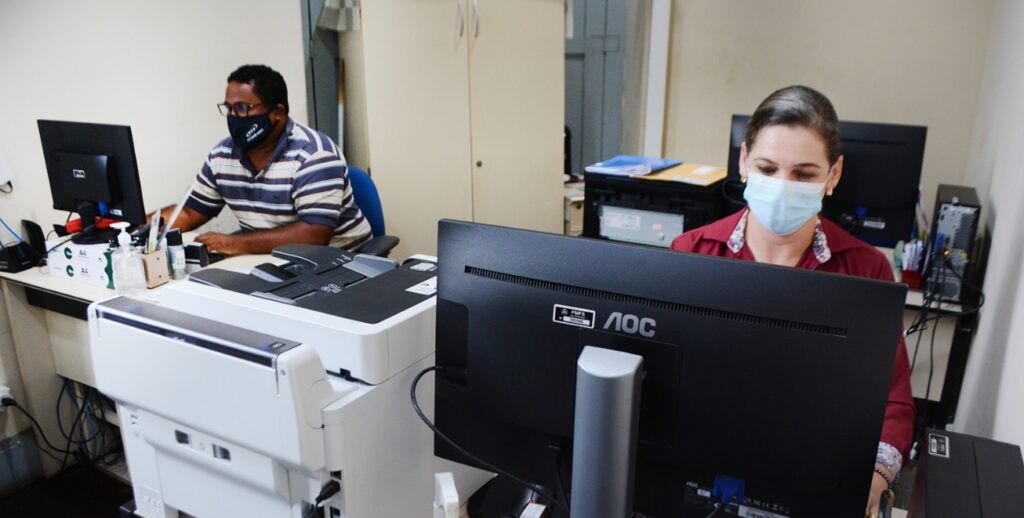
993	391
159	67
912	61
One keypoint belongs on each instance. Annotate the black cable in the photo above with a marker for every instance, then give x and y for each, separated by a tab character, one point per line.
11	402
478	460
533	496
931	363
718	507
948	314
919	324
935	329
921	317
310	511
60	422
74	424
110	441
330	489
69	238
101	423
559	484
86	404
71	435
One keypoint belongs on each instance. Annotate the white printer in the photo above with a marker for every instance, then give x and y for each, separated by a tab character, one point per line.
283	393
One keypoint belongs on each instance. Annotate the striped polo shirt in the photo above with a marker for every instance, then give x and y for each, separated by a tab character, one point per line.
305	180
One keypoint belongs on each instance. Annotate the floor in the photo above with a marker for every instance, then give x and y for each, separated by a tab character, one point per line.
83	492
87	492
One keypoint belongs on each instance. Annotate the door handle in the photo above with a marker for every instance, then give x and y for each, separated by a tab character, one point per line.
462	18
476	19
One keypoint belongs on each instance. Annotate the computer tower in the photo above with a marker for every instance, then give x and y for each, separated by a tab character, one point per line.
962	476
953	238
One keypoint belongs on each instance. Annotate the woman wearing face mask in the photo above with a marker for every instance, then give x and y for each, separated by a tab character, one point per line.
789	161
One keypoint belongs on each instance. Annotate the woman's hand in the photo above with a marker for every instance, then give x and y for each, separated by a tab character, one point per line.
878	486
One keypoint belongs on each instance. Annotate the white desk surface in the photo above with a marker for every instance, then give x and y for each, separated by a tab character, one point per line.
39	278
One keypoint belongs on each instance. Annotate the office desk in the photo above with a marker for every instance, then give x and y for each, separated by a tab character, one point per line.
51	338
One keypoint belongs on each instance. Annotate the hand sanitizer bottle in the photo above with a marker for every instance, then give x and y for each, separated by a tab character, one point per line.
129	273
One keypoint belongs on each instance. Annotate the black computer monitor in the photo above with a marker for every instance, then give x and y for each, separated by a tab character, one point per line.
92	170
772	375
877	195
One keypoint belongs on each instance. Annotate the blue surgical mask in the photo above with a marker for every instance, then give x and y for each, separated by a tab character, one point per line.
782	206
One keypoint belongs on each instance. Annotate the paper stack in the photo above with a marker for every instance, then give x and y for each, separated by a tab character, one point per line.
630	165
691	173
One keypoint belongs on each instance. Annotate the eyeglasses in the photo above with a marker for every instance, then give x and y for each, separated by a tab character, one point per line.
239	108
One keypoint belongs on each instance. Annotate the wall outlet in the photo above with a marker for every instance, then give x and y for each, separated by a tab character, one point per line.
4	392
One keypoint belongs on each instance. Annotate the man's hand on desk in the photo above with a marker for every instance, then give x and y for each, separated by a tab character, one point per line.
263	241
223	243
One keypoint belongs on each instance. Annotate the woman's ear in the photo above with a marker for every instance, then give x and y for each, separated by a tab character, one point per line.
837	172
743	162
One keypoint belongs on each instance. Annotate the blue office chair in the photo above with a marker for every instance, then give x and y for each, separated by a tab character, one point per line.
368	201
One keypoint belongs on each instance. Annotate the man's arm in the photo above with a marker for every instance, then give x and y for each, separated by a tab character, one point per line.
263	241
188	218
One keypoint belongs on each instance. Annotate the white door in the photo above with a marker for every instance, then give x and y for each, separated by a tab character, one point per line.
517	75
417	86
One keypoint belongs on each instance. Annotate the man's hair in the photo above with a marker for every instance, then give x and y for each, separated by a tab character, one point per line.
266	83
797	106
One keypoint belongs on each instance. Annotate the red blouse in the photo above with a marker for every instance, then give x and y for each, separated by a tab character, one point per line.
833	250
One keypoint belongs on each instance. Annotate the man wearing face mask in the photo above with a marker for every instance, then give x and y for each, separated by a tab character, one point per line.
789	160
285	182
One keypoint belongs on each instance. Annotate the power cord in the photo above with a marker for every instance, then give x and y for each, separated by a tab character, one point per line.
330	489
718	507
9	401
69	238
935	329
487	465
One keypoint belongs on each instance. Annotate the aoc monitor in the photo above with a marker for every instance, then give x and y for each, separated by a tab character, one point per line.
774	376
877	196
92	170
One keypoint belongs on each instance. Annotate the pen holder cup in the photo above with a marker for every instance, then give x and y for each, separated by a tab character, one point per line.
155	264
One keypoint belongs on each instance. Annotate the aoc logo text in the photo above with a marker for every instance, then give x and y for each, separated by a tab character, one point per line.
630	324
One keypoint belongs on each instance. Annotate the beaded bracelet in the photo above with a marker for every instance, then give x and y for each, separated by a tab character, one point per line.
885	477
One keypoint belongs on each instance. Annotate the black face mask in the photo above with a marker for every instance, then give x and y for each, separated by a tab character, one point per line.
249	132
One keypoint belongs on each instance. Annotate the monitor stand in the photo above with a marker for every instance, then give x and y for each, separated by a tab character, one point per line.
89	211
606	429
95	237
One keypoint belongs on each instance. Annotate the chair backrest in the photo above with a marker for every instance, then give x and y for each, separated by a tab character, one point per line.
367	199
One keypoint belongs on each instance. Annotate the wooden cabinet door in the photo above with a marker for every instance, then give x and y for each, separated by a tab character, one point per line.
417	91
517	75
